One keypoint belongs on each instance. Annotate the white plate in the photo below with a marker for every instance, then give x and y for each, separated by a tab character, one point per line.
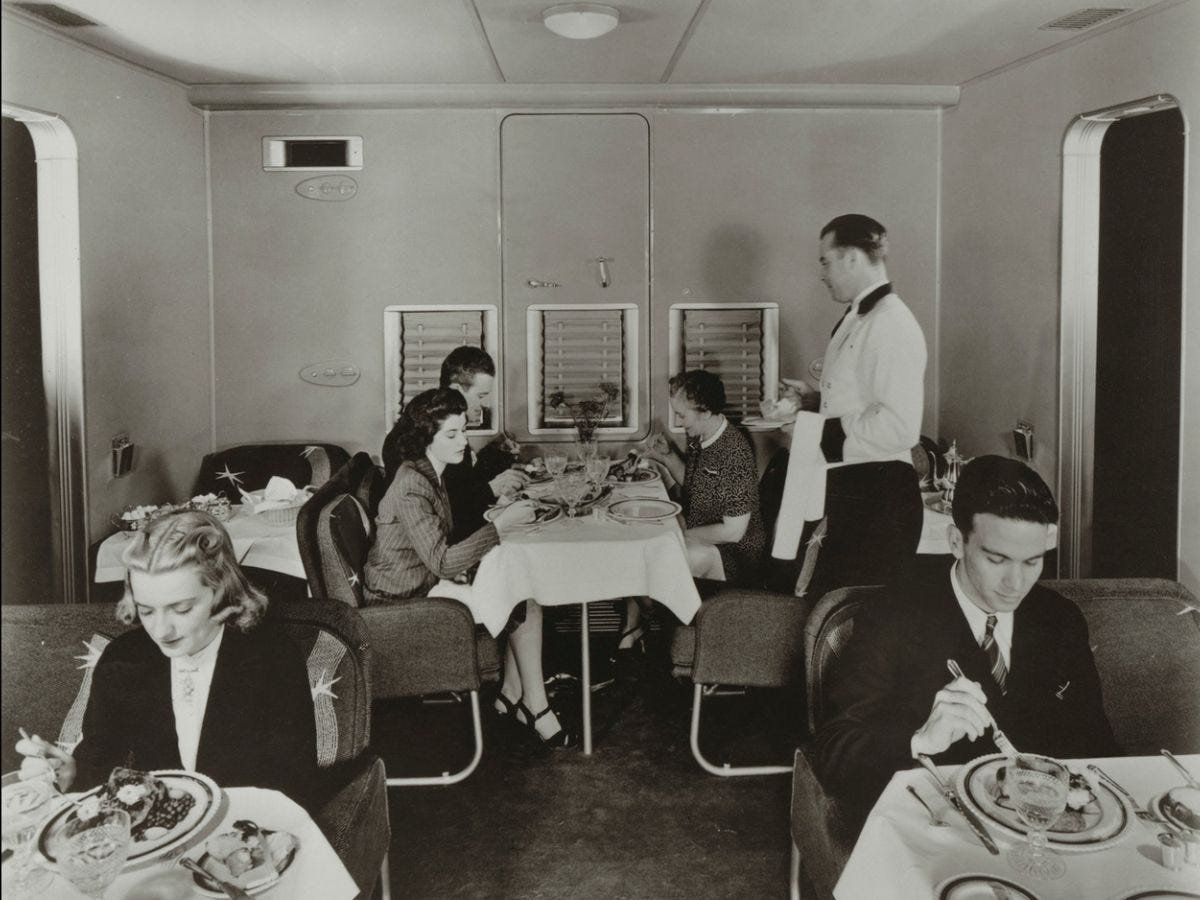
202	789
981	887
1160	805
1158	894
546	512
644	509
1103	822
760	422
640	477
202	884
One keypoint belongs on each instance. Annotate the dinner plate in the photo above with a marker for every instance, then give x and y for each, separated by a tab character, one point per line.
1158	894
207	805
1105	821
1162	805
644	509
982	887
543	512
760	422
640	476
208	887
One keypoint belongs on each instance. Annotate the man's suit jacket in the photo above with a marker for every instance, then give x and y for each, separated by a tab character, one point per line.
895	661
259	729
470	496
413	547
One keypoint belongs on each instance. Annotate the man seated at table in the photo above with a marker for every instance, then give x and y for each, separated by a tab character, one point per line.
1023	650
475	483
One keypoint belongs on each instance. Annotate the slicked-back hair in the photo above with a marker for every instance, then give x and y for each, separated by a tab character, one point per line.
414	430
463	364
1003	487
193	538
704	390
857	230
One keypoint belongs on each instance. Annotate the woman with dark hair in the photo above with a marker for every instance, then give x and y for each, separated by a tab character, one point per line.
413	556
718	487
204	684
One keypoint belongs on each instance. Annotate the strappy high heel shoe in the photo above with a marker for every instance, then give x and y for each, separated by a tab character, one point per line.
637	645
510	709
560	740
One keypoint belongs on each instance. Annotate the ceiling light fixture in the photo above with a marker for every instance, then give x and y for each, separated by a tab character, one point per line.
580	20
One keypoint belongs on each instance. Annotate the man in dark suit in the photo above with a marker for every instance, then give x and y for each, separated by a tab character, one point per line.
1022	648
475	483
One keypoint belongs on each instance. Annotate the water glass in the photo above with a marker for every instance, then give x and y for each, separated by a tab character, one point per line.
1037	787
597	469
94	851
556	463
26	805
573	486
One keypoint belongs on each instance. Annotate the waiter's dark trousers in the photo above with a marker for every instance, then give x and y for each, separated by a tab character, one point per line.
872	526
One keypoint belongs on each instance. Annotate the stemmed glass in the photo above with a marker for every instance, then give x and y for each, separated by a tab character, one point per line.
1037	786
556	463
597	469
573	486
25	806
94	850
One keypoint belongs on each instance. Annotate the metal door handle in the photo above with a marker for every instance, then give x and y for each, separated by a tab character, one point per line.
535	283
603	262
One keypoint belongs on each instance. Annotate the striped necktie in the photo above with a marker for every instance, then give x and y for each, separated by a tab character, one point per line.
992	649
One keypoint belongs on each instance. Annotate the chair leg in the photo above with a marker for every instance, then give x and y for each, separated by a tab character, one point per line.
724	769
385	879
794	888
451	777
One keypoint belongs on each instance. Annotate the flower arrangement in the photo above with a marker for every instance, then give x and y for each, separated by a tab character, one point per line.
587	414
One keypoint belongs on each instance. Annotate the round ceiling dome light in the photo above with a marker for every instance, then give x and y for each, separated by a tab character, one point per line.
580	21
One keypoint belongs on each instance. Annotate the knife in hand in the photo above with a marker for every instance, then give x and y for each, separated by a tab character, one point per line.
954	800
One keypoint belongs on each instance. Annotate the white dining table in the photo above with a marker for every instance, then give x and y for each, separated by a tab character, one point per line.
900	854
316	870
256	542
588	558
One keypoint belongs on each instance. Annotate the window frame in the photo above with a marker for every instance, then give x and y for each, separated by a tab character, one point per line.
630	315
677	352
392	346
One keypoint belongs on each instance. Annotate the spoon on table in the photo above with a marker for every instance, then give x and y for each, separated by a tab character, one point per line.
232	891
934	818
999	738
1187	776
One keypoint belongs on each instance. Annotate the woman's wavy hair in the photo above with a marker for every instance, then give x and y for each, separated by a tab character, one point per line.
704	390
193	538
420	421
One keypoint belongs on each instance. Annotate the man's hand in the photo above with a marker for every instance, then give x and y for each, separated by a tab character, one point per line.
959	709
799	392
509	482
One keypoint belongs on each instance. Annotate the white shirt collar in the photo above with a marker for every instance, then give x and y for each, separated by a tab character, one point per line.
204	661
977	619
863	293
708	442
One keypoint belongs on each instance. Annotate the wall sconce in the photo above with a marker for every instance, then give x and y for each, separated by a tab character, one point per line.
580	21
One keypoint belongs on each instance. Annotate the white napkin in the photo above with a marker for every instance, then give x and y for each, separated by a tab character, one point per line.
279	493
803	487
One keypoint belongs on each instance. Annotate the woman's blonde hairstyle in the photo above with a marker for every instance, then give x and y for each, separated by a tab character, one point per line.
193	538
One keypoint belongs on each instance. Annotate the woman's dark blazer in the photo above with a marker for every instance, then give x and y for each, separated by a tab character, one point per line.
259	728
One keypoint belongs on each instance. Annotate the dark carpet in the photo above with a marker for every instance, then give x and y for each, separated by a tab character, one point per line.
637	819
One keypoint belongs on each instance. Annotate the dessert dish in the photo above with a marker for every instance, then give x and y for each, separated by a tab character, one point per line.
248	855
154	809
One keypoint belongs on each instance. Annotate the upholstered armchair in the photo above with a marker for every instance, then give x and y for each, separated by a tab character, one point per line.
45	690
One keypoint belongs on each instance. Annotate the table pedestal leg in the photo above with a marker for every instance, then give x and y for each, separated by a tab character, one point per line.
586	678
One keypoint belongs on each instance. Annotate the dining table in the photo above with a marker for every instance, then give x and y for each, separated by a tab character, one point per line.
901	854
315	870
586	558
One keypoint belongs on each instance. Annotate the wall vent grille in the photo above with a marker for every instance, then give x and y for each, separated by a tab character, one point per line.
55	15
1083	18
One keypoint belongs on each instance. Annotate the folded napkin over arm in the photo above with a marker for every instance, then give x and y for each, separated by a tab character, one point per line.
804	485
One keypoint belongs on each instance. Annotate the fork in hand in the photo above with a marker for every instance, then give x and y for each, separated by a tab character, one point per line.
999	738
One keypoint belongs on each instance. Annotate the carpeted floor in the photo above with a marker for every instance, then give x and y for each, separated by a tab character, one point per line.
637	819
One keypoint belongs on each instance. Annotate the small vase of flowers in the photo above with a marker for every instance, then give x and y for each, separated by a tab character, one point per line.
588	414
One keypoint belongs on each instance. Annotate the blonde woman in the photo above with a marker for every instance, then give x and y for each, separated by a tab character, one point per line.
204	684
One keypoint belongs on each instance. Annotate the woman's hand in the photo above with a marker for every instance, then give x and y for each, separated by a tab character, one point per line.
520	513
508	483
43	759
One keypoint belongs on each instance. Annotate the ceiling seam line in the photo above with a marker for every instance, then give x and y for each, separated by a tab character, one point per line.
477	21
684	41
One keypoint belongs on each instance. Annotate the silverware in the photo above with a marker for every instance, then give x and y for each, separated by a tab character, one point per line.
1187	776
232	891
999	738
1140	811
934	818
1001	892
954	800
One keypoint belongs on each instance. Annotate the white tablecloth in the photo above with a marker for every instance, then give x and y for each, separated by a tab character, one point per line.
900	855
585	559
315	872
256	542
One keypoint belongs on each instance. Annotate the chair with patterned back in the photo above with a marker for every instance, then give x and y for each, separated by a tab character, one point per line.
49	652
250	466
427	645
821	836
353	478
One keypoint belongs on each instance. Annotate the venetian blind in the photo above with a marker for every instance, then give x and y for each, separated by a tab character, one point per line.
581	349
426	339
729	343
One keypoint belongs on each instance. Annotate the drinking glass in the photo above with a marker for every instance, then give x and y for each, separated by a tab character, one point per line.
597	469
94	851
1038	788
26	805
573	486
556	463
587	450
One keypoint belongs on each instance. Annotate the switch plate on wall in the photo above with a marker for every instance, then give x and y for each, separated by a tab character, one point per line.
331	373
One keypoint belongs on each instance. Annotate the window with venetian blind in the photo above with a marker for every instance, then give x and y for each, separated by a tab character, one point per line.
418	338
576	349
739	342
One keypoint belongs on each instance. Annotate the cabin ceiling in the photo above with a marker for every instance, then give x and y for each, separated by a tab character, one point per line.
658	42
